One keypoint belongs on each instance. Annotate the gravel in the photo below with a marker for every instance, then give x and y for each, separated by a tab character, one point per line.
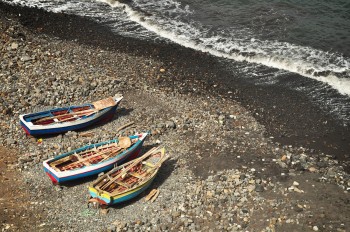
224	173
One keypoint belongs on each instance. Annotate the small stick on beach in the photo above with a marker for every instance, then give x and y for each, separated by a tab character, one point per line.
125	126
155	196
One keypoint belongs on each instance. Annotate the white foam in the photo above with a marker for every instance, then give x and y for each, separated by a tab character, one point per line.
305	61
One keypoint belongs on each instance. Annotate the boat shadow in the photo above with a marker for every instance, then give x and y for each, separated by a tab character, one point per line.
120	112
81	181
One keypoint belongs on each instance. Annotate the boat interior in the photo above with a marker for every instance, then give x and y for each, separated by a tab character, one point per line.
94	155
63	115
131	174
69	114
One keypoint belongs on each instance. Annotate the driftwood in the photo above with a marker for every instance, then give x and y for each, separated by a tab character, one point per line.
155	196
86	134
151	194
125	126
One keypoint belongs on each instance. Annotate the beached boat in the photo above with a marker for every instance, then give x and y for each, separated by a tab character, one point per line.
70	118
129	180
93	159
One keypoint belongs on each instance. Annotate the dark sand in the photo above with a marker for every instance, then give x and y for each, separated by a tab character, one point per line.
289	116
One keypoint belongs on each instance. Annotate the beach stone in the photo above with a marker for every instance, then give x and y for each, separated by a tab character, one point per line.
251	188
111	228
14	46
176	214
259	188
295	183
282	164
321	164
298	208
26	58
25	159
7	111
170	124
10	141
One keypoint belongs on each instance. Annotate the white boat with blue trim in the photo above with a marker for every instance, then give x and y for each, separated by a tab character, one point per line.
70	118
93	159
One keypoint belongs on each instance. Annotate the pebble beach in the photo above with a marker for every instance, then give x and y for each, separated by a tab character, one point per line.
227	171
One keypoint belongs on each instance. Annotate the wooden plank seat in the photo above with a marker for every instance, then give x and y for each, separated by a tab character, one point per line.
148	164
135	174
123	184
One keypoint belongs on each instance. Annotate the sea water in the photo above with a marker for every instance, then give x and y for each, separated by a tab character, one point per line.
261	41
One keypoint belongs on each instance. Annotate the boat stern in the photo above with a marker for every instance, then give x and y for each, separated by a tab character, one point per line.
50	172
24	124
102	197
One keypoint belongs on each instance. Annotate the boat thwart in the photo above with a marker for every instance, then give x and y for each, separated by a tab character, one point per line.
129	180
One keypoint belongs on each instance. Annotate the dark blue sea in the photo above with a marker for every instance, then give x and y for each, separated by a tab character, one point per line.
261	41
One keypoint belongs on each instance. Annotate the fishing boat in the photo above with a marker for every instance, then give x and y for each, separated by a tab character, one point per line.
129	180
70	118
93	159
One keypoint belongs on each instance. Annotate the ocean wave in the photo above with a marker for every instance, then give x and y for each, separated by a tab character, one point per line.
330	68
168	19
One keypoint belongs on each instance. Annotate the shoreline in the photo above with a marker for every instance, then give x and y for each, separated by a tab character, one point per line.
288	116
225	172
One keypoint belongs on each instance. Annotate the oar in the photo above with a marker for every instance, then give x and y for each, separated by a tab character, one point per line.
69	114
133	163
147	173
136	161
72	116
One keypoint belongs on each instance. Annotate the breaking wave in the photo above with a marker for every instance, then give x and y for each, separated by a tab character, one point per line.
330	68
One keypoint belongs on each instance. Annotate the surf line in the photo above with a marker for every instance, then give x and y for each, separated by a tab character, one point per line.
342	85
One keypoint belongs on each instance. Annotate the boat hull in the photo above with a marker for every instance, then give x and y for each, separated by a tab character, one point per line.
129	180
56	128
111	200
94	169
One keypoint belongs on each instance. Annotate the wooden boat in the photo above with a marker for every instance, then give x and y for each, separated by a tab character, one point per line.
70	118
129	180
93	159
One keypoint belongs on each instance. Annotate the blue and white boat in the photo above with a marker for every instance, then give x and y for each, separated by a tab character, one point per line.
93	159
70	118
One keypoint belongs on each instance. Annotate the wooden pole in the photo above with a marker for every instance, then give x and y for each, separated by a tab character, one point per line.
125	126
136	161
91	111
